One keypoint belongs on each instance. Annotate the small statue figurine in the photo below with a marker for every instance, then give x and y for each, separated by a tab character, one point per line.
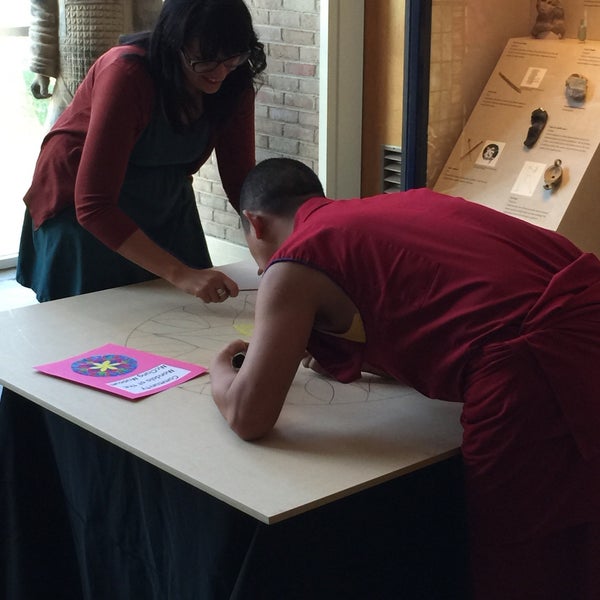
550	22
67	36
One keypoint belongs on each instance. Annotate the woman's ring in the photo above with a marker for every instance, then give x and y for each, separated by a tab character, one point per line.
221	292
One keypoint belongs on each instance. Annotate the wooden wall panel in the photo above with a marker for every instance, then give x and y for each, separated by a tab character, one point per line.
382	86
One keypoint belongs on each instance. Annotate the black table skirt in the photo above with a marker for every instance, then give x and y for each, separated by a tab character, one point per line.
81	518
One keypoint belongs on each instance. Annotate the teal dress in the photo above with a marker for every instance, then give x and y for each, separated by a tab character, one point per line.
61	258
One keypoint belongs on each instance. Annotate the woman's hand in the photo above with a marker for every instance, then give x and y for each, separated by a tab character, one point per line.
209	285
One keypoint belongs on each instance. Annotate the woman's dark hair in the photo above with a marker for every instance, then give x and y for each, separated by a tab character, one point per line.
222	28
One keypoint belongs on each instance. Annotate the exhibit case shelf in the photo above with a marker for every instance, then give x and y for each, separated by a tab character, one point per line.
530	146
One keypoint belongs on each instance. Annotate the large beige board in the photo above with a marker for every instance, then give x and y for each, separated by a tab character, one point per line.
531	74
331	440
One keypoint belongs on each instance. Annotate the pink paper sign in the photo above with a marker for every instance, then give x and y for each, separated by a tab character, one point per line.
123	371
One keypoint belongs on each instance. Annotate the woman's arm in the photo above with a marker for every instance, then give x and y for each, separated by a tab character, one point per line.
119	95
122	97
236	148
202	283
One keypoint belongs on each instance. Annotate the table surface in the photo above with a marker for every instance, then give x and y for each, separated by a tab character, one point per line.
331	439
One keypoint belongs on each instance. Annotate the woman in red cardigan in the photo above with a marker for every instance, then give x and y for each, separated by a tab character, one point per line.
111	201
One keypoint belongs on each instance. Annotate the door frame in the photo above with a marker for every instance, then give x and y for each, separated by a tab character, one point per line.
341	90
340	96
417	55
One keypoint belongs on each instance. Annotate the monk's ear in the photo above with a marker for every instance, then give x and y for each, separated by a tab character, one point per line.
257	223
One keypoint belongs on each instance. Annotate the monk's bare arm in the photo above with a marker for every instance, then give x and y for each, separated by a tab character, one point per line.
251	399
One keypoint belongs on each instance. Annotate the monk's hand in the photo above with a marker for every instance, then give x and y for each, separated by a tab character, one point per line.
311	363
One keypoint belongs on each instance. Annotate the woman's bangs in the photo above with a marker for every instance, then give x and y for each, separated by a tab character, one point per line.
227	35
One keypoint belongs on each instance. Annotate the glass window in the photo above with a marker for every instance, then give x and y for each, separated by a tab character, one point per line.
21	125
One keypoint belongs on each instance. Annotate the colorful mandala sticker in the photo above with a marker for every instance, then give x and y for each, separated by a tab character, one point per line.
105	365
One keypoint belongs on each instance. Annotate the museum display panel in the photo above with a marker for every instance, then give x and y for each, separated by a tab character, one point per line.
528	148
490	72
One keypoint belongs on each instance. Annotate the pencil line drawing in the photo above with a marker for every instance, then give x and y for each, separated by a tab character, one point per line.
196	331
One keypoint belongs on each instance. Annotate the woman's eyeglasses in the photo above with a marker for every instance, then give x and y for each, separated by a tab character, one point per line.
204	66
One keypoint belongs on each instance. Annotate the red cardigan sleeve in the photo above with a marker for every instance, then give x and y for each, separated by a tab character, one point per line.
235	148
121	97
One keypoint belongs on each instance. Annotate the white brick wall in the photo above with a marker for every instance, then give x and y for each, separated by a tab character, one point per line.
287	103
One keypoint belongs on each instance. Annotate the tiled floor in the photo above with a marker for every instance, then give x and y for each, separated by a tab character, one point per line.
13	295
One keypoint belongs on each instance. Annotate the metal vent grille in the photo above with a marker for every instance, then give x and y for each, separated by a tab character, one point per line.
392	169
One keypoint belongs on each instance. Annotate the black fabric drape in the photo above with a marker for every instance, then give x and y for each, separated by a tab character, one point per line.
87	520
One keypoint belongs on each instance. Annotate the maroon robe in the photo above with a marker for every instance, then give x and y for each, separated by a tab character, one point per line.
467	304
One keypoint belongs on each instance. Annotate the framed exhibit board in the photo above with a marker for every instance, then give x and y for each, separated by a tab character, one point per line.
530	146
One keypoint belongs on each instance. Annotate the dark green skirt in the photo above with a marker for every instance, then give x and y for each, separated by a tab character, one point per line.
62	259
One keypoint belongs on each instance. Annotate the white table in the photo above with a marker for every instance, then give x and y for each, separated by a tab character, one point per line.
327	444
123	488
